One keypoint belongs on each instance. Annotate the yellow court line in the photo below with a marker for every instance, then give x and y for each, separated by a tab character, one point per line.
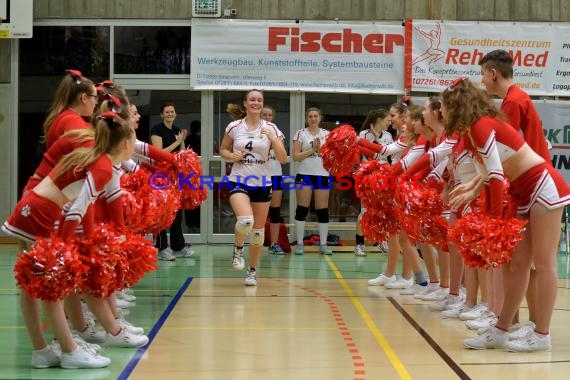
382	342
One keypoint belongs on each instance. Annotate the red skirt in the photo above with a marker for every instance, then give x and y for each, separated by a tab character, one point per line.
541	184
33	216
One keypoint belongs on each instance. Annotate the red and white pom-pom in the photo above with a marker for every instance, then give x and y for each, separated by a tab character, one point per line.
485	241
160	208
421	208
193	193
133	212
107	263
378	226
339	152
50	270
141	257
373	185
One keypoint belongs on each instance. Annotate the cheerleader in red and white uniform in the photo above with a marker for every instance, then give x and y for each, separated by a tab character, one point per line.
410	140
540	193
77	179
373	129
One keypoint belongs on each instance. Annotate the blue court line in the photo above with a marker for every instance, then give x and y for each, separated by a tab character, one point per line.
155	329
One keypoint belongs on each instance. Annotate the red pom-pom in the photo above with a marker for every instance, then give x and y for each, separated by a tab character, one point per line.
339	152
148	209
50	270
421	208
186	177
141	257
379	225
107	263
485	241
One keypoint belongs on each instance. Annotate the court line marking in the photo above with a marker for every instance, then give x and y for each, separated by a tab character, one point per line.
436	347
382	342
155	329
359	369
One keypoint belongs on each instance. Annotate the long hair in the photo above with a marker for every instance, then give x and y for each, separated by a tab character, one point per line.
67	93
105	102
372	117
236	111
464	104
109	133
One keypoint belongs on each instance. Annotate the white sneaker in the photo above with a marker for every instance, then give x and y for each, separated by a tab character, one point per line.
87	314
123	323
250	278
454	312
492	338
382	280
486	320
413	290
166	255
82	358
238	261
438	295
430	288
125	339
359	250
122	304
124	296
400	283
183	253
522	332
93	347
477	312
534	342
47	357
444	303
91	334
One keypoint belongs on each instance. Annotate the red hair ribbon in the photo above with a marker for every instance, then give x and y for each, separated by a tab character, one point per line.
115	103
456	82
76	74
110	116
406	100
101	87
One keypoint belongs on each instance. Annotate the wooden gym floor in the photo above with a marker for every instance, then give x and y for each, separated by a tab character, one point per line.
310	317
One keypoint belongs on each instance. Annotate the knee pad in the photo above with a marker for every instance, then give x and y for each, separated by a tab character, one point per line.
322	215
244	224
275	214
257	237
301	213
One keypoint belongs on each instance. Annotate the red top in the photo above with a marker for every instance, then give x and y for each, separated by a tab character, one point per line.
66	121
522	115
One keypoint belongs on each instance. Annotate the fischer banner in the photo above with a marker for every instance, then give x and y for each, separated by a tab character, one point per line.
443	50
355	57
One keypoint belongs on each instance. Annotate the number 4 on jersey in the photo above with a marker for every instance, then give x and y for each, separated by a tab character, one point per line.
249	146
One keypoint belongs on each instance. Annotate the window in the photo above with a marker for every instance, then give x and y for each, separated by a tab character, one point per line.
152	50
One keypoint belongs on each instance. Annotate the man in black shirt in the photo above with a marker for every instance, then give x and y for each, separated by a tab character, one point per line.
170	138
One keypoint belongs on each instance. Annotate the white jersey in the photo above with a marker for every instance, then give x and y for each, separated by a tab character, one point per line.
274	164
312	165
384	139
254	169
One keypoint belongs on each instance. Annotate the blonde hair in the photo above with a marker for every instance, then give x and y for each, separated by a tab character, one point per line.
67	94
236	111
105	103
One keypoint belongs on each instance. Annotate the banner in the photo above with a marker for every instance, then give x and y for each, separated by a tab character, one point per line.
443	50
356	57
555	116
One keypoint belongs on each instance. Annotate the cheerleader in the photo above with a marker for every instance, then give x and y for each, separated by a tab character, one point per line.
540	193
